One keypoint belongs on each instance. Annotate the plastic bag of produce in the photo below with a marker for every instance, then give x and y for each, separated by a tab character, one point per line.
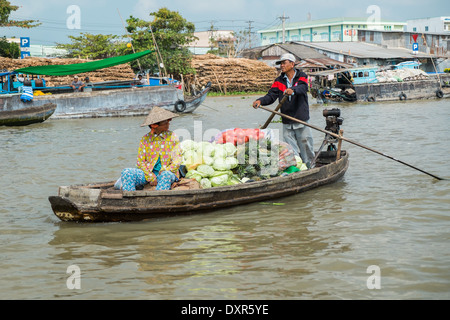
286	156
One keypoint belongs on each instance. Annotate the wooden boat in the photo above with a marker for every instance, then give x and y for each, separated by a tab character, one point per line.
104	99
25	113
362	85
122	102
100	202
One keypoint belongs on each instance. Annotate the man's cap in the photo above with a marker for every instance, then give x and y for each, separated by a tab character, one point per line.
286	56
158	114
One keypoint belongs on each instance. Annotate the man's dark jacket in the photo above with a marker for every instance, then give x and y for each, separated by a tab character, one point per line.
296	105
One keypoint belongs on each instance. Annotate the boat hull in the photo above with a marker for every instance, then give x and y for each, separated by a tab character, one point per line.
115	102
423	89
25	113
101	203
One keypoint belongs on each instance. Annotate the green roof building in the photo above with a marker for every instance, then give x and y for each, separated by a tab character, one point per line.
336	29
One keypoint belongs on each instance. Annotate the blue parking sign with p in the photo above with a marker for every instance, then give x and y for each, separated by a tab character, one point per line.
415	46
24	42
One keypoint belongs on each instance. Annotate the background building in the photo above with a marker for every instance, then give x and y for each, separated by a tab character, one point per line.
40	51
210	40
436	24
336	29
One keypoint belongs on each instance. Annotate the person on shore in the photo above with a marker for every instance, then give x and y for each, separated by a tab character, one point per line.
159	155
294	84
88	85
77	85
141	81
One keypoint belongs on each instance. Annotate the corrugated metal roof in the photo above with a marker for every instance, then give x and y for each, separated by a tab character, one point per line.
363	50
298	50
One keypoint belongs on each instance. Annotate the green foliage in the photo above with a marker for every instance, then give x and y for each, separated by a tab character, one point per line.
9	50
91	46
5	10
169	32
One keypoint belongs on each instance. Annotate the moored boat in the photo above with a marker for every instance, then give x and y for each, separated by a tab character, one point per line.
100	202
104	99
25	113
368	84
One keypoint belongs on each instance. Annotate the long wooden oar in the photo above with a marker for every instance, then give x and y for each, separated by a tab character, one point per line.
283	100
348	140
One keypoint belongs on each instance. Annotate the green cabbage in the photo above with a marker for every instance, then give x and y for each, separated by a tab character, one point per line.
207	149
218	181
230	149
193	174
205	183
219	173
191	159
187	145
220	164
208	160
205	171
233	179
220	152
232	162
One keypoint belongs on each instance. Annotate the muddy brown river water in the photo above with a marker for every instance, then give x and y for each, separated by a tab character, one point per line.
381	232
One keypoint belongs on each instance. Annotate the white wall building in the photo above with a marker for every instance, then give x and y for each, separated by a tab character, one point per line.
436	25
327	30
204	44
40	51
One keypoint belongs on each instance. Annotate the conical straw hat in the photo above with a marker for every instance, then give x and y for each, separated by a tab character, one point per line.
157	115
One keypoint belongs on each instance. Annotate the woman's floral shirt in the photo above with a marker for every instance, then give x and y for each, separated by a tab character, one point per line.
166	147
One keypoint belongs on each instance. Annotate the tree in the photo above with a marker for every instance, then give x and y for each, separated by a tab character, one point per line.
91	46
9	49
5	11
168	34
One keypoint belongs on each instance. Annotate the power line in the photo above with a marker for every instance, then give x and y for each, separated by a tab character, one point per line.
249	33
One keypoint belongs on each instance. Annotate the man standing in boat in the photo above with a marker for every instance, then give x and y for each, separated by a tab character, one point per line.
294	84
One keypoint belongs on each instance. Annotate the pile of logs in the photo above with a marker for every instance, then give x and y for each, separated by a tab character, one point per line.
119	72
230	74
225	74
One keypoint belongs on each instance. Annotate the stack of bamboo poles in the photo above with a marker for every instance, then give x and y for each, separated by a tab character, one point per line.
230	74
119	72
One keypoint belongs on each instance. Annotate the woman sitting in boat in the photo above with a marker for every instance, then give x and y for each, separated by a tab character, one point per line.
159	155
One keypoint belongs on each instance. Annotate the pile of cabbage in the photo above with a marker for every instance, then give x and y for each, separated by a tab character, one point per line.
221	164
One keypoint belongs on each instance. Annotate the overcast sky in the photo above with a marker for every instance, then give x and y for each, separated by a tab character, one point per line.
60	18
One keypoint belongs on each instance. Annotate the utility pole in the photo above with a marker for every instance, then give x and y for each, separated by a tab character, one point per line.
283	19
212	37
250	33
